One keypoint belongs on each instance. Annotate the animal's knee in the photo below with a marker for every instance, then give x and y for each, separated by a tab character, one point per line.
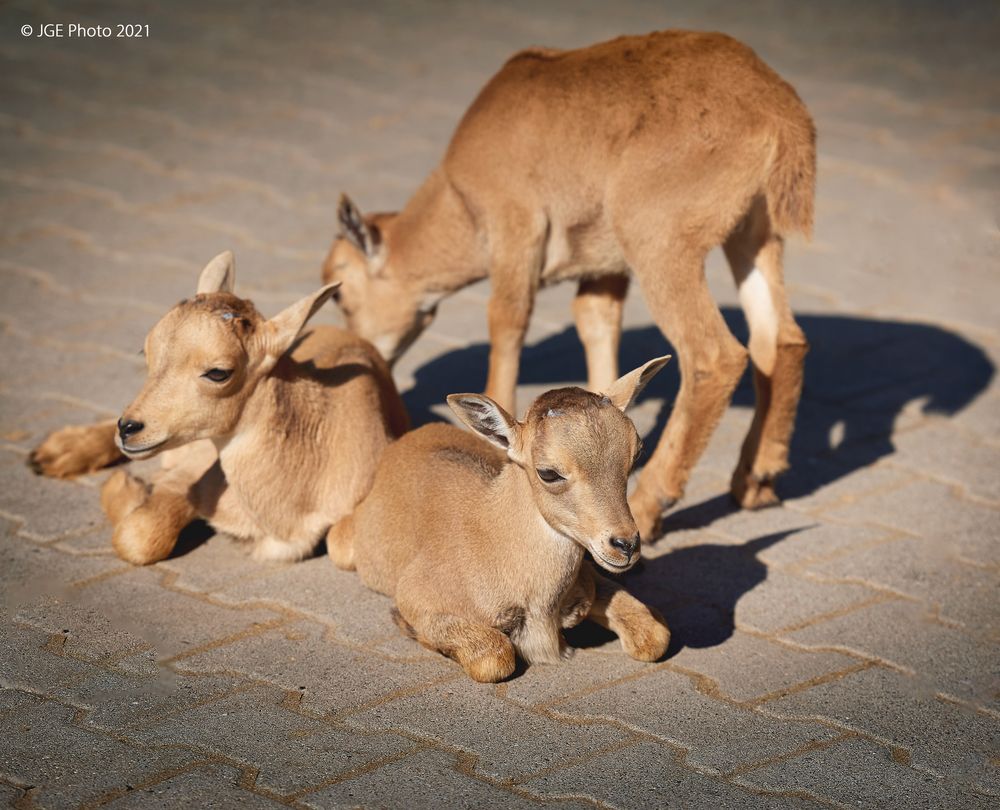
719	371
489	659
643	632
340	544
121	495
143	537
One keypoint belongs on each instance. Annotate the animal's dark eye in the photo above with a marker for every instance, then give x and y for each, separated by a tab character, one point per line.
549	476
217	375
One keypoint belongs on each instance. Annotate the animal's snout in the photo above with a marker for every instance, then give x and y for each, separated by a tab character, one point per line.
626	545
128	427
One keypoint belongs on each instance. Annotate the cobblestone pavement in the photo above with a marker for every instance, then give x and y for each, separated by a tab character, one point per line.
839	650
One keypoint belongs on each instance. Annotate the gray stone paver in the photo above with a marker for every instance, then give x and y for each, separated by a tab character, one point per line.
840	649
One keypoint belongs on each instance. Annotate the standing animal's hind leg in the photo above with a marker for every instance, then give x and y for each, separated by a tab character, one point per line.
597	310
76	450
711	362
777	350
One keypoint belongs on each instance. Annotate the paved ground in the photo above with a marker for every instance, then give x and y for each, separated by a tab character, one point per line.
840	650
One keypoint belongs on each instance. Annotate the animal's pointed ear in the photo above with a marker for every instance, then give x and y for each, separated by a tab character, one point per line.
624	390
488	419
281	331
219	274
364	236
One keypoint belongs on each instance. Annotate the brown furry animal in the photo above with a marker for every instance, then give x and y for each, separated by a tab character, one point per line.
630	157
272	436
481	543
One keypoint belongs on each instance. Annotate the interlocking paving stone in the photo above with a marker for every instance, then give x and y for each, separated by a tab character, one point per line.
127	164
646	775
292	751
859	773
905	634
924	570
424	779
330	677
748	667
172	623
954	741
43	746
213	786
718	735
508	740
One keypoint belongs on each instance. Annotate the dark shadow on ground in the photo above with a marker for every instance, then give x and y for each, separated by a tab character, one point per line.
860	374
696	588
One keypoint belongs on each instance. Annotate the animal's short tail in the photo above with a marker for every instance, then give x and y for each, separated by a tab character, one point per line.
790	188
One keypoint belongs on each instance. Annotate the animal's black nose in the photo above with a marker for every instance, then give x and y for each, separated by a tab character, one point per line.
128	427
626	545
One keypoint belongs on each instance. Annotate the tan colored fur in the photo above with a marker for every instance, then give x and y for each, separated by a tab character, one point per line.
482	555
637	155
274	455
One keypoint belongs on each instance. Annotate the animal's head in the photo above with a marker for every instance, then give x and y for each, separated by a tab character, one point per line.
376	301
577	449
204	359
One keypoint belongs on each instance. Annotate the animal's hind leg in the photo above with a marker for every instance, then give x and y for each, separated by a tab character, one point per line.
643	631
711	361
777	350
340	543
486	654
597	310
76	450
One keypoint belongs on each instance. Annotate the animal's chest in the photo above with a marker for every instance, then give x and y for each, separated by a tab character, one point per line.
278	501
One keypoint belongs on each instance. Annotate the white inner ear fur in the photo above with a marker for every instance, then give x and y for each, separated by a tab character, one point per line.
755	298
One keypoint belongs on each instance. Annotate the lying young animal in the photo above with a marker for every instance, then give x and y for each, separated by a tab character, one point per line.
482	542
298	426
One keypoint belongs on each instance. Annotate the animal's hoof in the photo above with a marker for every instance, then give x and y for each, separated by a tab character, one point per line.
59	456
754	491
490	668
648	515
648	637
73	451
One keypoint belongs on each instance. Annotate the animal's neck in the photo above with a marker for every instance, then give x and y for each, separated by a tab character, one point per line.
555	558
434	240
275	415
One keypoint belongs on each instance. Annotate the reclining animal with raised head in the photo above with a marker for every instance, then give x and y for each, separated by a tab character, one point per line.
269	434
633	157
481	538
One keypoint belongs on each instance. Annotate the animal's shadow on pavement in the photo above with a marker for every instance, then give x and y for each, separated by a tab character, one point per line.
861	373
696	588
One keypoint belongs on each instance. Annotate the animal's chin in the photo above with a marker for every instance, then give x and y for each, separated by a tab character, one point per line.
610	565
143	451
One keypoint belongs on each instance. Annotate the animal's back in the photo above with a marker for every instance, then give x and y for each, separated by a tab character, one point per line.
558	120
338	360
432	489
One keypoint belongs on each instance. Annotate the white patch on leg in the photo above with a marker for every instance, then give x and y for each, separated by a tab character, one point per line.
755	298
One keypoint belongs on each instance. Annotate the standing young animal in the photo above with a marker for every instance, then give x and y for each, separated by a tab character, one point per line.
482	544
637	155
298	424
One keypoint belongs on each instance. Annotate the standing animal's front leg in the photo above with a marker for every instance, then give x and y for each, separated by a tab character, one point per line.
515	270
597	310
643	631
